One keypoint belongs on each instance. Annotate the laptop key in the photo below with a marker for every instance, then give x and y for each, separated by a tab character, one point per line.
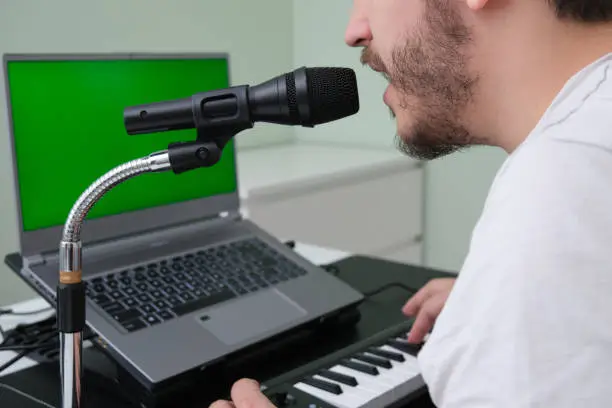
161	304
166	315
148	308
115	294
152	319
156	284
133	325
98	288
102	299
114	307
173	300
112	284
130	302
130	291
126	315
202	303
157	294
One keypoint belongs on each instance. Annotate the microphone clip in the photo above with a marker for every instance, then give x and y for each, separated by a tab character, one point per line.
185	156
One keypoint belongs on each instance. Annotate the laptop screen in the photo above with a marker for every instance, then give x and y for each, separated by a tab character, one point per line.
67	126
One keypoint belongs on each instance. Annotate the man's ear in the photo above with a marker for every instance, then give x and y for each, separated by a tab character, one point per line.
476	4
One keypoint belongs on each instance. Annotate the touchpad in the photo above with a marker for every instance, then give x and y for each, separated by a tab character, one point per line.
250	316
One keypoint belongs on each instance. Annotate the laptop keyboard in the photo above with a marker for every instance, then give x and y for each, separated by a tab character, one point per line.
152	293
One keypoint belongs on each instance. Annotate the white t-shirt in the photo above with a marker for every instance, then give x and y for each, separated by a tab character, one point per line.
529	321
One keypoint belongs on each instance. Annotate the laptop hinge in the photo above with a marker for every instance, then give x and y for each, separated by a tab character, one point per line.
232	215
35	260
43	258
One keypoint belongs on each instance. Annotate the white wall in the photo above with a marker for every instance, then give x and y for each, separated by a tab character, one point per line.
455	187
67	26
455	190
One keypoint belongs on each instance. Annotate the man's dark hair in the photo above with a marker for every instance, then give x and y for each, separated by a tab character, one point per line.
590	11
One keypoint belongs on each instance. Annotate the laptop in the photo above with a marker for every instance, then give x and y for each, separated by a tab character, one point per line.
176	278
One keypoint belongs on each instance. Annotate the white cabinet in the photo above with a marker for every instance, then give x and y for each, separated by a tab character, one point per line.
353	200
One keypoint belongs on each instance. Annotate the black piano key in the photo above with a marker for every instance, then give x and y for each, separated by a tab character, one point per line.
364	368
386	354
323	385
338	377
377	361
402	346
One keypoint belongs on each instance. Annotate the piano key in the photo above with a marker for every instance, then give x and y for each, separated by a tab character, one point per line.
338	400
366	382
373	360
364	368
323	385
410	361
386	386
359	394
399	377
390	375
391	355
403	346
341	378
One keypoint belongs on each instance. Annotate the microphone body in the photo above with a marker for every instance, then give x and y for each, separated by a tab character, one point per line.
305	97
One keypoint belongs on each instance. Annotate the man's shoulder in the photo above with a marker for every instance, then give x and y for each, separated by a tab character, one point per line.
584	116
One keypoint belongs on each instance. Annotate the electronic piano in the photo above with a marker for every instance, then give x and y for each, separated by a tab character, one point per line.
380	371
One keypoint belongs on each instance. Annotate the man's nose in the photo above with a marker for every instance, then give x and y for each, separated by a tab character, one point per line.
358	33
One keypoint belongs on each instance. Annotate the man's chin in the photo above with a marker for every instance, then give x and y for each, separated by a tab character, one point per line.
425	151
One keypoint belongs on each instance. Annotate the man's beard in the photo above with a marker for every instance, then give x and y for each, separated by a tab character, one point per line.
431	75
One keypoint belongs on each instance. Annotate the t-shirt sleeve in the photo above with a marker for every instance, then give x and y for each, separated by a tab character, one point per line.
529	321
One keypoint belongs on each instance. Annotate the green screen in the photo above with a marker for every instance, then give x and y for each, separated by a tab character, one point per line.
68	129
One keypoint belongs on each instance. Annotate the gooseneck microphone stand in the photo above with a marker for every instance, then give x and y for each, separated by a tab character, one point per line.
71	298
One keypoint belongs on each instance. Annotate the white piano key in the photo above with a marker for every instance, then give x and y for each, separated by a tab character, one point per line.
397	378
371	383
362	394
410	365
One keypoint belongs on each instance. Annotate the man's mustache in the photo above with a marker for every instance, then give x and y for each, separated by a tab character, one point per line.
374	61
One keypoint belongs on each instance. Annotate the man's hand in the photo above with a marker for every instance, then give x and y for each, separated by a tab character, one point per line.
245	394
426	305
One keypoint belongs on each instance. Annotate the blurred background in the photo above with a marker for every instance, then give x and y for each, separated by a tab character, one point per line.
343	185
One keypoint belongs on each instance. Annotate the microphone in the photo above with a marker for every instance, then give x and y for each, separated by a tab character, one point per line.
305	97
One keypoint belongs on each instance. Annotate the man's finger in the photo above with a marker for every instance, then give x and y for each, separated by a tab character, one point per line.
426	318
411	308
246	394
222	404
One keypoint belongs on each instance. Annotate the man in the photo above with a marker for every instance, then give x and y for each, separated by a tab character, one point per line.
528	321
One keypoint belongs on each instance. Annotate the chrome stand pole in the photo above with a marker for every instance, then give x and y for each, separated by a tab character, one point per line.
71	288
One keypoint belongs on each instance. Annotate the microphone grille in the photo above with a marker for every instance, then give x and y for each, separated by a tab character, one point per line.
332	93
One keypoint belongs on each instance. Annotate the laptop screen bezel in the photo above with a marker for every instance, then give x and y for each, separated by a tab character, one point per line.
120	225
